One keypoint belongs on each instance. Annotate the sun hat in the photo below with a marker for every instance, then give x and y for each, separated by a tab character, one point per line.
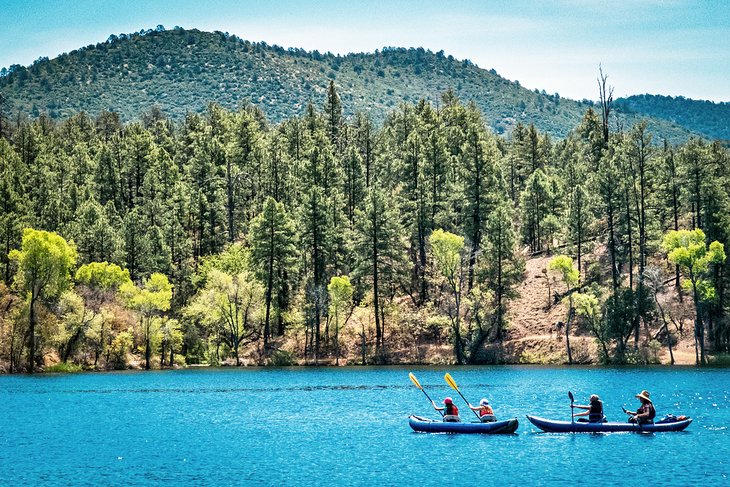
448	400
643	395
484	402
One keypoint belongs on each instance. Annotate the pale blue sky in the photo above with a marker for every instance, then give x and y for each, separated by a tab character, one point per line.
669	47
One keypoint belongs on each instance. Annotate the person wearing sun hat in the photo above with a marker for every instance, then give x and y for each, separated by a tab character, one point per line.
451	412
646	413
486	414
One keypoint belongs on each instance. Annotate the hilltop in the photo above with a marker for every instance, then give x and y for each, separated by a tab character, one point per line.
705	117
181	71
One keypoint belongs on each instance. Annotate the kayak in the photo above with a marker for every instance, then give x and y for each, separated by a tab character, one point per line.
553	426
425	425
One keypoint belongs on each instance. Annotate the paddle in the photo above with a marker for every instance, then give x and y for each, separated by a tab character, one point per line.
418	384
450	381
632	415
572	399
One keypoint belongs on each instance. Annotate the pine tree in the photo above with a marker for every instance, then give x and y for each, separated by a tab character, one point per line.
13	204
379	252
502	268
333	116
272	255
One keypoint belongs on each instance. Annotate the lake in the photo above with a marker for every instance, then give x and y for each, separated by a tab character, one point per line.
348	426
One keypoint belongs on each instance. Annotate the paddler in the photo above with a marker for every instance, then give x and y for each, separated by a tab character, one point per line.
485	411
451	412
594	410
646	413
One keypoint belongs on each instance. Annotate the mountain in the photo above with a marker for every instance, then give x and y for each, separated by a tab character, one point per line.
704	117
182	71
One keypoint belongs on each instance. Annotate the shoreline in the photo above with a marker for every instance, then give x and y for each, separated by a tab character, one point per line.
373	366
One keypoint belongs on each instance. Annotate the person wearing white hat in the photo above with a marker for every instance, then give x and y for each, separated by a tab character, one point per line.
594	411
646	413
486	414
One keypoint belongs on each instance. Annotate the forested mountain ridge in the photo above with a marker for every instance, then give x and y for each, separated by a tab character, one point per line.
705	117
182	71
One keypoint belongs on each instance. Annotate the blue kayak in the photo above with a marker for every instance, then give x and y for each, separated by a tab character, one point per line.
553	426
425	425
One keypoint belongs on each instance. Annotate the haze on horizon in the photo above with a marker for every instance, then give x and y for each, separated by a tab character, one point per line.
669	47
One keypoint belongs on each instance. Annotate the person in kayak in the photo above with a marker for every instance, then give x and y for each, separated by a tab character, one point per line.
451	412
646	413
594	411
486	414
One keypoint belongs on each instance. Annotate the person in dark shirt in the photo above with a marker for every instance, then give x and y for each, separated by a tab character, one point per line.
646	413
594	411
451	412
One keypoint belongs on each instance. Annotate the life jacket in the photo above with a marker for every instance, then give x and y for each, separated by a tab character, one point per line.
486	411
596	412
648	407
451	410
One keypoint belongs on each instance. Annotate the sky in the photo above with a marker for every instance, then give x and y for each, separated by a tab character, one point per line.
666	47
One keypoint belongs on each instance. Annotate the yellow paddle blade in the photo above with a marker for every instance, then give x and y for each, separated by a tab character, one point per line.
450	381
414	380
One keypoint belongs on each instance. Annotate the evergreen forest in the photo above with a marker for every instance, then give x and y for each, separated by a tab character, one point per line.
328	238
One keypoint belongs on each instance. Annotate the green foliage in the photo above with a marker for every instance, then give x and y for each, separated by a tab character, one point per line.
282	358
150	300
273	255
447	250
720	360
181	71
700	116
102	275
229	306
249	222
154	295
120	347
63	368
340	293
687	249
44	263
563	265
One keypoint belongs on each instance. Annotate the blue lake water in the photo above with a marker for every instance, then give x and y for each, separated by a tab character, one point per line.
348	426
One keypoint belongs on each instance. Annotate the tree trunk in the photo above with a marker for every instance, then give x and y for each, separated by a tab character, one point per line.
376	290
362	343
231	201
269	287
31	332
148	346
337	338
699	327
567	332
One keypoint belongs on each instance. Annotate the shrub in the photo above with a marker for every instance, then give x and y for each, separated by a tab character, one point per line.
720	360
64	368
282	358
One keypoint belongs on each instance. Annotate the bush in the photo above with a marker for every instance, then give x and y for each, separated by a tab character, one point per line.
720	360
64	368
282	358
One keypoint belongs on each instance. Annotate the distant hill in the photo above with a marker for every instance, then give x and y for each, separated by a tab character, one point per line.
183	70
705	117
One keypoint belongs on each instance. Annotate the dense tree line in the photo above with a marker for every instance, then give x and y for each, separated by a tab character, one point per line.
224	237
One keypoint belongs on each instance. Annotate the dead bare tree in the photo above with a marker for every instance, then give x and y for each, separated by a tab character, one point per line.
605	94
